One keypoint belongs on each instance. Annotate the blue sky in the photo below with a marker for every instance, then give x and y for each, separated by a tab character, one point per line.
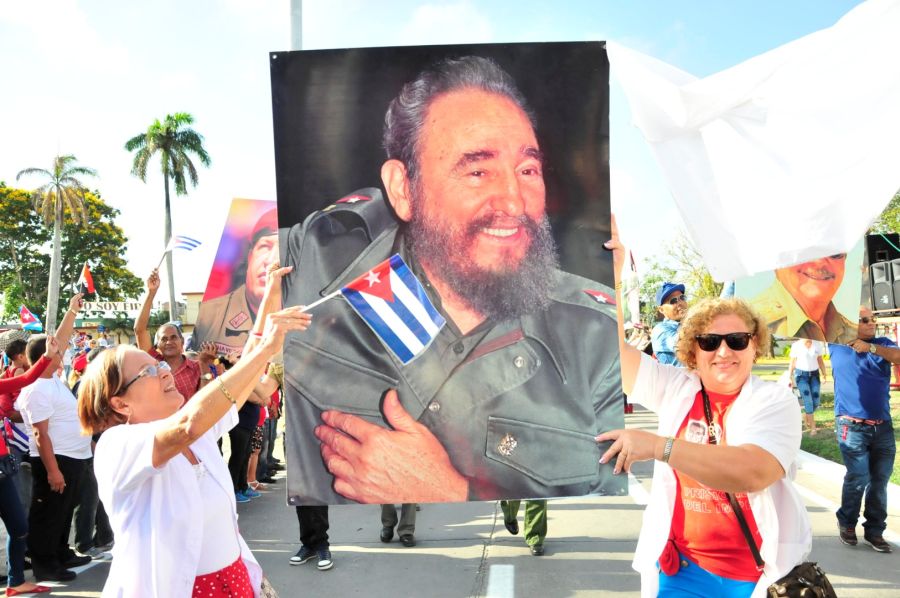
82	76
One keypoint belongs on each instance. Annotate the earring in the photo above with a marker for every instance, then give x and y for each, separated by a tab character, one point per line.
128	419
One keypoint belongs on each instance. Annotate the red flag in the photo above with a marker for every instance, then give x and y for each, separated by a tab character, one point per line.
86	279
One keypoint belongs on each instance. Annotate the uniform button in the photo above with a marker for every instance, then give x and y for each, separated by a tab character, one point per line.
458	348
507	445
434	406
519	361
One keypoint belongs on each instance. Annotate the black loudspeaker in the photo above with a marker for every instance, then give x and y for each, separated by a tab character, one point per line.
882	288
895	276
882	248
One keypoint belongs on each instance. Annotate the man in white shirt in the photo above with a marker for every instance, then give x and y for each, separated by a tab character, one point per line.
59	456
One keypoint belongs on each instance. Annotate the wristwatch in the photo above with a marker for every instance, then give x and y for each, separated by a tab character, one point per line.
872	348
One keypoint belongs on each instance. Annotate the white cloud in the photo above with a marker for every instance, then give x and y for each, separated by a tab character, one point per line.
457	23
65	36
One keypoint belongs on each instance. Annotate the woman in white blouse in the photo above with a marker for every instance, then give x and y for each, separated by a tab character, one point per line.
725	437
159	472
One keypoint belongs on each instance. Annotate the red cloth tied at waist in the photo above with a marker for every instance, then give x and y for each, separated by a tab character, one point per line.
669	560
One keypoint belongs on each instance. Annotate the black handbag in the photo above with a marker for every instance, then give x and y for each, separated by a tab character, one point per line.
806	580
9	463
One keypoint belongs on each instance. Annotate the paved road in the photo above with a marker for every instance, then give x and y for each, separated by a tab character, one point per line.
464	550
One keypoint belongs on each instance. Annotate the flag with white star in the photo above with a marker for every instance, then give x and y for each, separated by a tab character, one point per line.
392	301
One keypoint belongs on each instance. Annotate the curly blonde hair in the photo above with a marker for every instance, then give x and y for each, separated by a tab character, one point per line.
699	317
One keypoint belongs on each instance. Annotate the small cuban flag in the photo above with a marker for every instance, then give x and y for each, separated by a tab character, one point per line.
182	242
29	320
394	304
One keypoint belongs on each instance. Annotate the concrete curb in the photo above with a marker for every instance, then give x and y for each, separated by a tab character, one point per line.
830	470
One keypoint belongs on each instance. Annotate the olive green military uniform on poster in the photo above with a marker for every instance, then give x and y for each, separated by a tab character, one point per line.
516	404
226	321
786	319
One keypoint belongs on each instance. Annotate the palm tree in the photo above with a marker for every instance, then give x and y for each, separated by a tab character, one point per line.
62	191
175	142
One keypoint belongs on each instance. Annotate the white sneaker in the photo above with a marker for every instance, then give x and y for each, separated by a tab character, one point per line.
97	553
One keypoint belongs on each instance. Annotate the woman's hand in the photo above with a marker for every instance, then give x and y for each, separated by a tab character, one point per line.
76	302
631	446
280	323
52	349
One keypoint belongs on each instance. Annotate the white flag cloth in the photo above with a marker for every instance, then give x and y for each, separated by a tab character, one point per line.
786	157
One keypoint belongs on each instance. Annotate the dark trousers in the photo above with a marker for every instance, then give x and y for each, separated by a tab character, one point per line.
91	522
273	436
868	453
16	523
313	522
240	456
407	521
50	517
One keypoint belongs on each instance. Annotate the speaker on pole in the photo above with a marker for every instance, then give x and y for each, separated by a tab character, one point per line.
882	285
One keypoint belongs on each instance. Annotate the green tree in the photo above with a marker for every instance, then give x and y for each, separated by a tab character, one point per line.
101	244
681	262
61	192
889	220
21	237
175	142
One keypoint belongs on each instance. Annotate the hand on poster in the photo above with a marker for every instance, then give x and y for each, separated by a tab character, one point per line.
631	446
280	323
207	353
372	464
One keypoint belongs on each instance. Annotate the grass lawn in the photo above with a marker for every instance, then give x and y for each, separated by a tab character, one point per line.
824	443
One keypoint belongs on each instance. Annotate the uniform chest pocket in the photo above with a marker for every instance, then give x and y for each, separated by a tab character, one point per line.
551	456
330	381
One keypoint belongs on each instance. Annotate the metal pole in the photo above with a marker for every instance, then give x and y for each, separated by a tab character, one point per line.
296	24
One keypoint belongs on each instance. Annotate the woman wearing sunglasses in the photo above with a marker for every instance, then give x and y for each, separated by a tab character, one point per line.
160	475
720	431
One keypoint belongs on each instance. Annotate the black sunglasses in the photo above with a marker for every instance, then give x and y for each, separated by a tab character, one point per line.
676	300
736	341
867	319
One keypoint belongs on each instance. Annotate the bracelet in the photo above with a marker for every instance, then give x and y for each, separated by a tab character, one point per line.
225	391
74	312
619	286
667	452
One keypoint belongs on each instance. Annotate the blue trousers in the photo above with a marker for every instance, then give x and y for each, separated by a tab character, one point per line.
692	581
808	385
16	523
868	453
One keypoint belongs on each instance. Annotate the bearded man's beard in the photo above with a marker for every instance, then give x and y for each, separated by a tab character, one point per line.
503	293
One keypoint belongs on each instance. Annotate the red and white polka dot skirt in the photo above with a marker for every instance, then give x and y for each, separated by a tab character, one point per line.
231	582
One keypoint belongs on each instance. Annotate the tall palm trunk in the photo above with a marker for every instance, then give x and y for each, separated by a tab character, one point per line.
173	311
55	259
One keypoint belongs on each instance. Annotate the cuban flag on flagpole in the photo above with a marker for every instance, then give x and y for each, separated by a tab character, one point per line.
182	242
392	301
28	320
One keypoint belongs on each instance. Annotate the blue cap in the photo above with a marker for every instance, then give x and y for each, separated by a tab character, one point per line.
667	289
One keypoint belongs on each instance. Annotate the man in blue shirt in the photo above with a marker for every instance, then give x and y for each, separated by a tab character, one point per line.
865	434
672	305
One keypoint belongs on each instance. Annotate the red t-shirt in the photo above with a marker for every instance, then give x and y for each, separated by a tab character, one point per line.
704	527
